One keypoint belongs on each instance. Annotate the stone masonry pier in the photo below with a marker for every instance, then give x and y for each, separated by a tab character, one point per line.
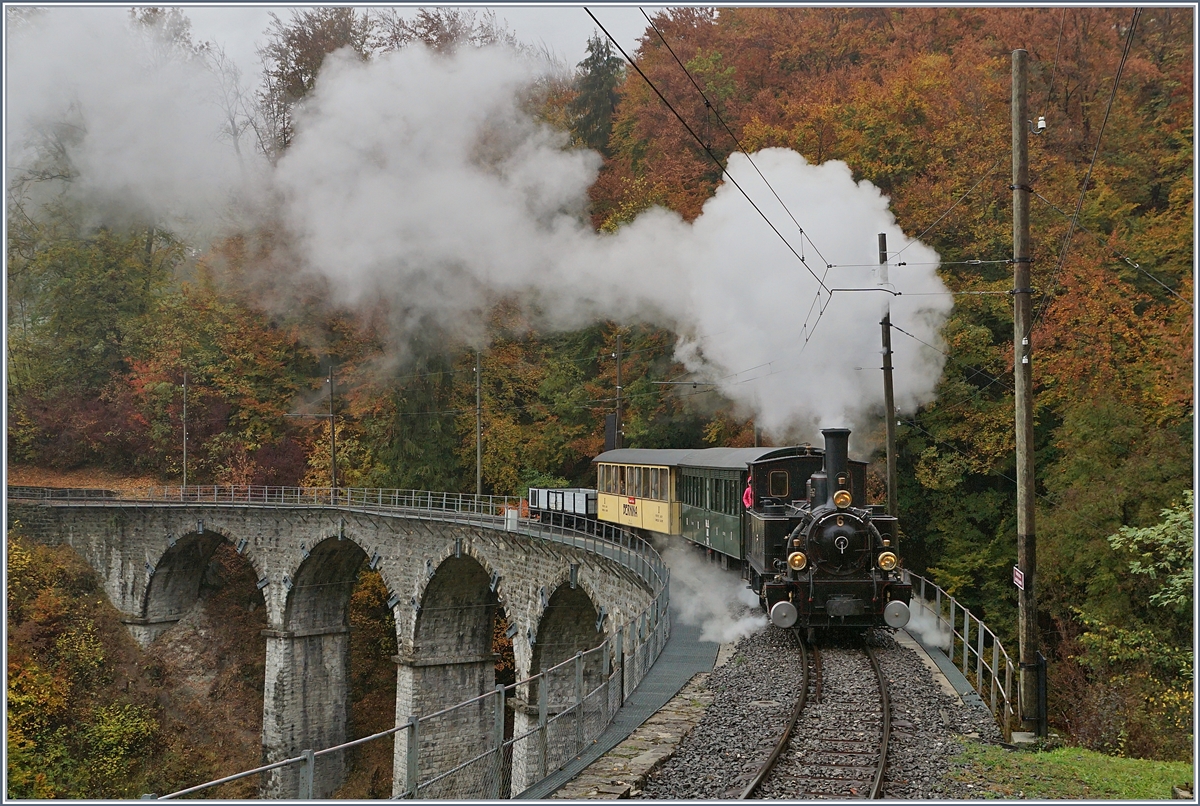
446	571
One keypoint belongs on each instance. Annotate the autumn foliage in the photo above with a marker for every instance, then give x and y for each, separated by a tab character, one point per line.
914	100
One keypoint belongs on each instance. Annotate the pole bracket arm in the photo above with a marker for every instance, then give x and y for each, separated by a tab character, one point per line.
1026	188
1020	291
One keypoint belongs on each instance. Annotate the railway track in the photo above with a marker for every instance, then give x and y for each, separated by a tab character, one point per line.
839	749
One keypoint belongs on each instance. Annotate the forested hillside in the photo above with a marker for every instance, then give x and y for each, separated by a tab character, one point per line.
109	307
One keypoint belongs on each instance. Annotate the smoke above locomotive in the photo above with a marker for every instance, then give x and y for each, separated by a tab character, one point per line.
422	179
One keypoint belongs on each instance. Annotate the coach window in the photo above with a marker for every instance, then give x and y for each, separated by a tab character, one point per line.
778	484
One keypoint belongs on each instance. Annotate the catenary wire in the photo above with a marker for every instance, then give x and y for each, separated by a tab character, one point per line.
709	105
1062	254
1123	257
707	150
961	198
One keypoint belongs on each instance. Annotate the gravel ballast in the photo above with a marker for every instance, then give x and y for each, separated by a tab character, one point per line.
753	693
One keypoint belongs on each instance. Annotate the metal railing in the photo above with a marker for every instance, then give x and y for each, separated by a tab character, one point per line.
494	511
968	642
563	726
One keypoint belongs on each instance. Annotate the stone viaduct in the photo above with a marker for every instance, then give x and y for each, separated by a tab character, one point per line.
446	572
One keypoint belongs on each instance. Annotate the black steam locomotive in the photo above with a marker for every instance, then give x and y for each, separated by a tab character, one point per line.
817	555
807	544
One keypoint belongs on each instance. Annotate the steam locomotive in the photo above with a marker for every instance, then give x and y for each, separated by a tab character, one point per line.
817	556
823	559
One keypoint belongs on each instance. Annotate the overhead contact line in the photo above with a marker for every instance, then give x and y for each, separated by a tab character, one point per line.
709	105
707	150
1114	252
1062	255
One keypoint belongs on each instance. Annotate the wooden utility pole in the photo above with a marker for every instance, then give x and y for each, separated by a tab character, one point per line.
1023	377
617	436
478	423
889	399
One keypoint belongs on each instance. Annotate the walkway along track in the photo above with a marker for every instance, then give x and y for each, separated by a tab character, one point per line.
840	750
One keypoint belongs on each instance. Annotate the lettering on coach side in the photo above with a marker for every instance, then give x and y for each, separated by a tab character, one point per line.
630	507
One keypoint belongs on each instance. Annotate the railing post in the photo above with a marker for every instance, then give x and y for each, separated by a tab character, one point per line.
412	757
1042	712
621	660
578	702
605	657
306	776
543	727
966	639
953	630
995	671
1008	703
498	737
979	660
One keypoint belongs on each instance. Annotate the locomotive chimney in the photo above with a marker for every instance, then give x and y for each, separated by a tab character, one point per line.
837	455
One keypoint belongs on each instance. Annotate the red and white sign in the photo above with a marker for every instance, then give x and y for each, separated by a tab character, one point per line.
1018	578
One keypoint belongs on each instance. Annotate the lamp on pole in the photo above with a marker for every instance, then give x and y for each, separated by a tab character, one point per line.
332	439
185	428
332	436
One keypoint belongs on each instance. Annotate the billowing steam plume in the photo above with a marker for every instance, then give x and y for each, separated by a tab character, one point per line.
421	178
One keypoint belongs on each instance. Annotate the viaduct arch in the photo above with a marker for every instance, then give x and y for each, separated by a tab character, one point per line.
445	580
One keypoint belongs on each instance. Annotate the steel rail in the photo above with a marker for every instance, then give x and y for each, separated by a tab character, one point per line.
797	709
876	790
886	727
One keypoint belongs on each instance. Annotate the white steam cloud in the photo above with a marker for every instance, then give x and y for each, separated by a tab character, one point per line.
925	624
717	600
421	179
140	127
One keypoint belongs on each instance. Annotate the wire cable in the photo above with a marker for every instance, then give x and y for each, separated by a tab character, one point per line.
1125	258
952	358
709	105
1062	254
961	198
707	150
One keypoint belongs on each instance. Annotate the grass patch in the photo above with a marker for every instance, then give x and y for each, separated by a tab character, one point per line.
1066	773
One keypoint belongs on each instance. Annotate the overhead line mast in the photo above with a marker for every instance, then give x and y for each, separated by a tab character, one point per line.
1023	383
889	398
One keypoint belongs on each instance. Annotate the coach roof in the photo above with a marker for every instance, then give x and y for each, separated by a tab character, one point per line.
729	458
